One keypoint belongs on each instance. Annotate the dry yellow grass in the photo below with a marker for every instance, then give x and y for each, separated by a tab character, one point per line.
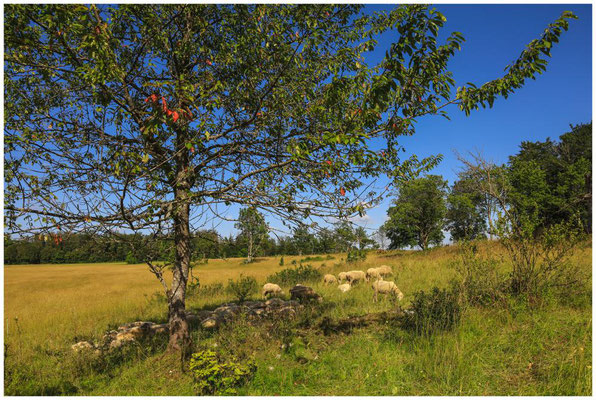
50	304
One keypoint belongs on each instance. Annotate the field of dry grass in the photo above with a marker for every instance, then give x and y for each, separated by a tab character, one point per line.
49	307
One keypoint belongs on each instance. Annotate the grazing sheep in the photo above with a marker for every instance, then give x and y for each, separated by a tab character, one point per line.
385	270
344	287
271	289
341	276
373	273
355	276
385	287
328	279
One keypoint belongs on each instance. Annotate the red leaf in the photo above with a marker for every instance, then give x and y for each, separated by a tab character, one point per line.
209	62
168	112
164	104
175	116
342	191
328	162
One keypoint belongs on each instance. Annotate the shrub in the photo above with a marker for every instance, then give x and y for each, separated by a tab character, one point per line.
434	311
211	290
243	287
212	376
312	258
131	259
292	276
540	257
193	286
281	261
479	280
356	255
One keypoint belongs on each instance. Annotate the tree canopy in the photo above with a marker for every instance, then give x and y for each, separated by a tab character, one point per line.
417	216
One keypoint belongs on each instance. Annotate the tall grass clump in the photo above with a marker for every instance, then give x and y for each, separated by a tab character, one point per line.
479	279
243	287
540	257
438	310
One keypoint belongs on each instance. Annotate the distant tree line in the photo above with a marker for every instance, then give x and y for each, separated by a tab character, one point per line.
86	247
546	182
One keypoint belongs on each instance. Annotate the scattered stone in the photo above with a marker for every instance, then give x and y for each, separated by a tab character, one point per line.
253	310
160	328
304	294
275	302
254	304
82	346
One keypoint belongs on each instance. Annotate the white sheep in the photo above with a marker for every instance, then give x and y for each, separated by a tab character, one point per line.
373	273
385	270
355	276
386	287
341	276
271	289
344	287
328	279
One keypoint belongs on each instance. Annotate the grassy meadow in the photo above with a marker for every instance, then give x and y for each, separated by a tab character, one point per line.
514	349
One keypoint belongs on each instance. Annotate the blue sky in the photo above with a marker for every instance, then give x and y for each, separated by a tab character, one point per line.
495	36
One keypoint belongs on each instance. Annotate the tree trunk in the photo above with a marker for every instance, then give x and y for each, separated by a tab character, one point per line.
249	251
179	329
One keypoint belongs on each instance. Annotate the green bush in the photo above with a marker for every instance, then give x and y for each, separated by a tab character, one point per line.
478	278
212	376
430	312
355	255
131	259
243	287
292	276
281	261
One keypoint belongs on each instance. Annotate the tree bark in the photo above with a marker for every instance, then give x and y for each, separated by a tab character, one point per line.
179	329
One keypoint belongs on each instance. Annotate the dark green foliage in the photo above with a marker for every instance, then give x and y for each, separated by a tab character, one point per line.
355	255
293	276
213	376
435	311
281	261
552	181
131	259
243	287
417	217
466	211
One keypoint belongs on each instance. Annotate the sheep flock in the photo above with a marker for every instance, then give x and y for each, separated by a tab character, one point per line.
346	280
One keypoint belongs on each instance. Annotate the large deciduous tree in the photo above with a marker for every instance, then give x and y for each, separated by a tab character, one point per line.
467	213
253	230
152	118
417	216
